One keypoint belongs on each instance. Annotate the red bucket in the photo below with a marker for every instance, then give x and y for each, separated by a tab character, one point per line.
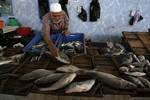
24	31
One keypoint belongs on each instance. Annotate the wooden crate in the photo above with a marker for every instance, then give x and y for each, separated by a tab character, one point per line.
139	42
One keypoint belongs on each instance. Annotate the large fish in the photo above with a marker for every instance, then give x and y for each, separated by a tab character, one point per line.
62	82
48	79
135	81
68	68
63	58
35	74
111	80
144	81
135	73
84	86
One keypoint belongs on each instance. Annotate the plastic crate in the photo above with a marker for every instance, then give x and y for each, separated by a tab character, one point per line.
75	37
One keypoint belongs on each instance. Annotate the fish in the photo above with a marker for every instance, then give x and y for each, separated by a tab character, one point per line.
5	69
127	59
137	69
137	64
17	57
135	81
141	58
146	62
136	58
135	73
83	86
145	81
46	80
40	45
62	82
124	69
112	80
35	74
7	75
2	62
63	58
68	68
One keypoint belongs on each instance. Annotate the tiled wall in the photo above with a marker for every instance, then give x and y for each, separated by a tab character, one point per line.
114	17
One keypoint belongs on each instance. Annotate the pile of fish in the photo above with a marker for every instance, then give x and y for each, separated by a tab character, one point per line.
71	48
113	49
8	64
61	78
133	68
64	78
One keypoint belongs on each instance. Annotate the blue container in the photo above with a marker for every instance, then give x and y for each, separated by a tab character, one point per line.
74	37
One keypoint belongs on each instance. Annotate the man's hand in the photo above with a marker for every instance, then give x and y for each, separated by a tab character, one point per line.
65	32
54	52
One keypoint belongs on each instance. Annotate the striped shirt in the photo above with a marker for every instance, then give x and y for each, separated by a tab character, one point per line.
56	21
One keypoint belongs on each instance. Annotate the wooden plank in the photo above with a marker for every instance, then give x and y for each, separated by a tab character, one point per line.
136	44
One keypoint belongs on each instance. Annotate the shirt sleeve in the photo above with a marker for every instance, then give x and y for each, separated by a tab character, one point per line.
66	21
46	23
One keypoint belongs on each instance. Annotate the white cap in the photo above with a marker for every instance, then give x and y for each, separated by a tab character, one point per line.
55	7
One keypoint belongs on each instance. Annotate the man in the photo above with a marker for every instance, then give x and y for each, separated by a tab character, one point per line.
55	27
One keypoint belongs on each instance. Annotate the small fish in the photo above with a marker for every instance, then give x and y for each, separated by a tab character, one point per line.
35	74
40	45
127	59
62	82
124	69
135	73
68	68
63	58
111	80
48	79
137	64
2	62
131	66
146	62
141	58
144	81
17	57
136	58
83	86
137	69
135	81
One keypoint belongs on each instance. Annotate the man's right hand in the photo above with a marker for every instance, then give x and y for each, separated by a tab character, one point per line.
54	52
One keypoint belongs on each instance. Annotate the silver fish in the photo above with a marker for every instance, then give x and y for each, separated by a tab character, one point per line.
48	79
84	86
127	59
111	80
136	58
141	58
141	69
146	62
68	68
124	69
144	81
63	58
2	62
40	45
17	57
64	81
135	73
135	81
35	74
137	64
